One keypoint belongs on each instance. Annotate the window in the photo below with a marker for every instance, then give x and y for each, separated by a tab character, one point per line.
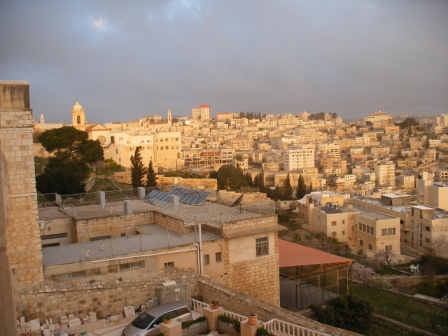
428	228
343	221
372	231
388	232
62	277
370	247
218	257
100	238
206	259
343	233
169	264
137	264
262	246
361	242
53	236
427	240
334	234
333	223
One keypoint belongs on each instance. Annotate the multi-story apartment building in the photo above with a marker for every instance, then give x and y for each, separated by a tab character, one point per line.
405	181
307	135
242	144
167	152
385	174
277	178
225	116
441	175
296	158
331	149
196	158
438	195
428	155
201	112
361	228
380	151
429	234
379	119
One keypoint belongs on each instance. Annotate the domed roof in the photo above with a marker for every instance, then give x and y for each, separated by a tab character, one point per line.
77	106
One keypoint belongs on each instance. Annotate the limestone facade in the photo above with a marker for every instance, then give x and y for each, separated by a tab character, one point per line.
22	232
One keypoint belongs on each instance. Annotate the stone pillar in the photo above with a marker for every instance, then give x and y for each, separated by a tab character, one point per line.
22	236
249	329
174	328
212	317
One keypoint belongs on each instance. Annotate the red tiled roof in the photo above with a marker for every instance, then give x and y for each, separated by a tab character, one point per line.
292	255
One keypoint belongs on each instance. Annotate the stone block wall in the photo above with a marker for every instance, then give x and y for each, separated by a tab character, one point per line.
105	295
113	226
7	316
256	277
174	224
22	230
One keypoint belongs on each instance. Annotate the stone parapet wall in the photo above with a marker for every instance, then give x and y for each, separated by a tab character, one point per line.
113	226
255	223
173	224
243	304
106	297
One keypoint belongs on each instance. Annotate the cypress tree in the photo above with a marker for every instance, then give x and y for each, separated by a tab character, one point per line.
301	187
287	188
138	170
151	179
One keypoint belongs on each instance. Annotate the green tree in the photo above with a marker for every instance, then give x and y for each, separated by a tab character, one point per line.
151	179
64	139
346	312
301	187
231	177
248	178
287	188
408	122
275	194
138	170
261	185
68	169
91	151
64	174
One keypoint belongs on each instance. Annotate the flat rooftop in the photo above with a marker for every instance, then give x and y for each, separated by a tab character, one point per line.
371	214
153	237
214	214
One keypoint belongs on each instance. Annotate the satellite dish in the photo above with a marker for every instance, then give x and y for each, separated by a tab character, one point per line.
238	200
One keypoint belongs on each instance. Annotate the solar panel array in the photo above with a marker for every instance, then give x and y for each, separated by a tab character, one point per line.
186	196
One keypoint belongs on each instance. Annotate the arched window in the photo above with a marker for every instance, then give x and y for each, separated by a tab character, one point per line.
78	120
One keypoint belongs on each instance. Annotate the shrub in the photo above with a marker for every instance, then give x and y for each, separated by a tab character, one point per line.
230	320
263	332
188	324
347	313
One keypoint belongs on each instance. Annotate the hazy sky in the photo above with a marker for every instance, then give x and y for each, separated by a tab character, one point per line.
127	59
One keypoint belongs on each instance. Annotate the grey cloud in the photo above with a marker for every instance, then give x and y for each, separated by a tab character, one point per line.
350	57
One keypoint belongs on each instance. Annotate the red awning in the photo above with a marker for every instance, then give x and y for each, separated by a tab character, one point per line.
292	255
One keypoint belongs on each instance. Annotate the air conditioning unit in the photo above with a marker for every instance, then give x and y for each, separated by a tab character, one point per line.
41	224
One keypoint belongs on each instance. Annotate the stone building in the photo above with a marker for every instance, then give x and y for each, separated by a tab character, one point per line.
102	254
20	250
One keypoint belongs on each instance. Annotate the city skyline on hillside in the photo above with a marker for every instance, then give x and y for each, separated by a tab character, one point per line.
127	60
